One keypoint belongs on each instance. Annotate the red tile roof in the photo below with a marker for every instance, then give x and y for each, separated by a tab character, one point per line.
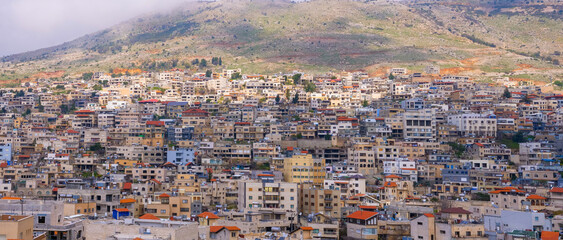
215	229
536	197
307	228
232	228
127	200
155	123
362	215
127	186
547	235
149	216
430	215
390	184
164	195
122	209
208	215
556	190
392	176
455	210
10	198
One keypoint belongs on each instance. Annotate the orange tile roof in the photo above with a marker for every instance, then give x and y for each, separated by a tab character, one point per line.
232	228
149	216
215	229
208	215
127	200
556	190
122	209
265	175
307	228
430	215
547	235
536	197
362	215
10	198
164	195
369	207
392	176
390	184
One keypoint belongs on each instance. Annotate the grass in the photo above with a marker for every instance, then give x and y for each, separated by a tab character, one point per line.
510	144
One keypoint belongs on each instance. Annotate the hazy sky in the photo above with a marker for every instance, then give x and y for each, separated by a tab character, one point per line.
32	24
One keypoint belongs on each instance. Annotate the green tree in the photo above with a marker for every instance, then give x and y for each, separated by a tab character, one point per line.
208	73
391	77
278	98
203	63
97	87
458	149
236	75
558	83
526	99
295	99
98	148
296	78
64	109
365	103
287	94
87	76
506	93
310	87
60	87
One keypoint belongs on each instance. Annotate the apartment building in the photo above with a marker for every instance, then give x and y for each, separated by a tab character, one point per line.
277	195
304	169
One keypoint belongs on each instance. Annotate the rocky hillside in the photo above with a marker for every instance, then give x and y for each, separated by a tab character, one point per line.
268	36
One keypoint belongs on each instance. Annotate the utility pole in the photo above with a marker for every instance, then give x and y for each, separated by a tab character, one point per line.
21	203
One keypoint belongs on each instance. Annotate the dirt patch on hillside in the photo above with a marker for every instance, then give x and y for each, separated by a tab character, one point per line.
523	66
134	71
54	74
454	70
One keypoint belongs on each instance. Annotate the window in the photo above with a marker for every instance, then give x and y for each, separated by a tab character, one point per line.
419	223
442	232
163	211
41	219
468	234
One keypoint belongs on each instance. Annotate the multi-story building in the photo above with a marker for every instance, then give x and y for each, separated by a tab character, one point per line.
277	195
304	169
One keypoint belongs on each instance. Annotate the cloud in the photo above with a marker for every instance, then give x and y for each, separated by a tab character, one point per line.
27	25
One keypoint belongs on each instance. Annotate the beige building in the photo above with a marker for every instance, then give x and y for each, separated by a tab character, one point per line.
427	227
304	169
79	207
279	195
16	227
166	206
315	200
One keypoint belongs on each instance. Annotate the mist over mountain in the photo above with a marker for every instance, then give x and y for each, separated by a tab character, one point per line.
273	35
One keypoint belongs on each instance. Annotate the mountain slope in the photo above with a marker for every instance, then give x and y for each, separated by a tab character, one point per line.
267	36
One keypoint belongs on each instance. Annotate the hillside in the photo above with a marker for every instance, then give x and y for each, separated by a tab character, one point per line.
321	35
